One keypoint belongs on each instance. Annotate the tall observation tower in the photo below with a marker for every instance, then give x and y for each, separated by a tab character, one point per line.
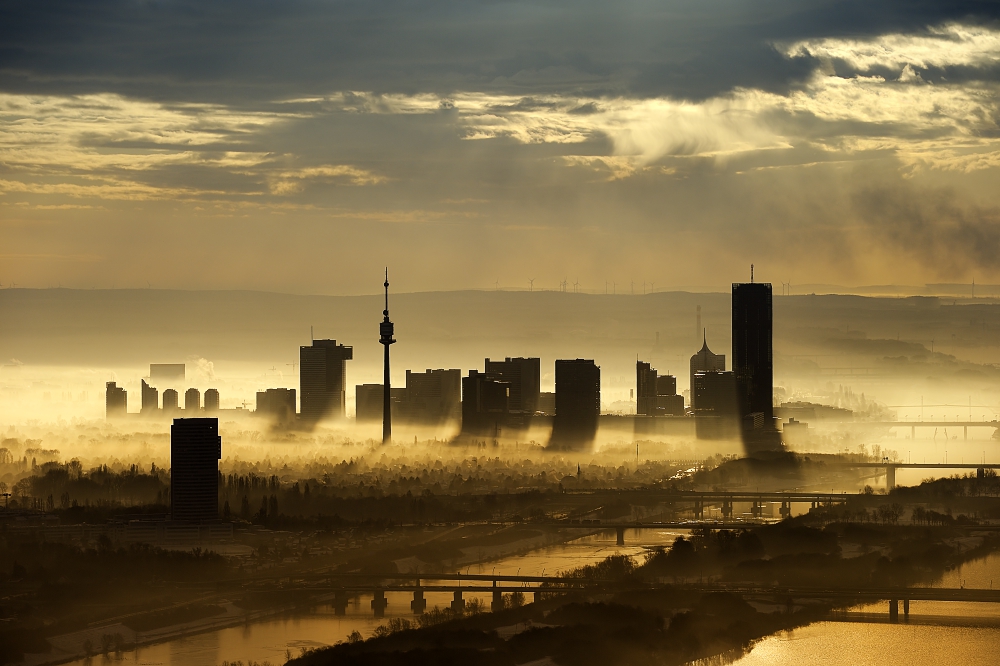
386	328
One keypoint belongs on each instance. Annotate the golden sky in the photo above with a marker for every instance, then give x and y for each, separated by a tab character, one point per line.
302	146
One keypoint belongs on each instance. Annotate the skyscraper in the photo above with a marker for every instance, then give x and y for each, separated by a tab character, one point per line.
192	400
705	361
656	394
211	400
322	374
277	404
433	396
169	400
524	376
752	361
645	389
578	404
115	401
485	404
195	451
150	398
716	411
385	339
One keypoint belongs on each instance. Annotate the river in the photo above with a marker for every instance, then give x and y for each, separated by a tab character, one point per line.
821	643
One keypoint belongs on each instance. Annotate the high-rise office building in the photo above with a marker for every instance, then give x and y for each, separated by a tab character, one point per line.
656	394
716	412
752	360
645	389
115	401
322	371
150	398
578	403
192	400
277	404
485	404
170	400
369	401
705	361
433	396
195	451
211	400
524	376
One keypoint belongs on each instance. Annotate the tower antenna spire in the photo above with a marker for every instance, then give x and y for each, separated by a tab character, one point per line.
751	273
386	330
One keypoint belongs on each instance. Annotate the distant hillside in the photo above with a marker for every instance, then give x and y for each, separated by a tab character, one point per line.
459	329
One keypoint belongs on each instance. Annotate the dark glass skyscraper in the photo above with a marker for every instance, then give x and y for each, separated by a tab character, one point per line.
195	451
578	404
322	371
115	401
752	361
524	375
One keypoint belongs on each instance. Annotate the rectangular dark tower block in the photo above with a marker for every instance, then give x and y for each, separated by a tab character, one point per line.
578	404
322	373
195	451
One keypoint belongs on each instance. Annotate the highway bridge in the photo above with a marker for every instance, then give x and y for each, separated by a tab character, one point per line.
343	586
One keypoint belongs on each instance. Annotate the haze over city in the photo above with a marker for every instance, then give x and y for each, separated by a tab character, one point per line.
499	333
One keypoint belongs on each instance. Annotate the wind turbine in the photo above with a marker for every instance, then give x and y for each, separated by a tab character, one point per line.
576	286
497	284
531	284
651	290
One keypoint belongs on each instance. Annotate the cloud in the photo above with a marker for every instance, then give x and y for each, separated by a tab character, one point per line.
949	45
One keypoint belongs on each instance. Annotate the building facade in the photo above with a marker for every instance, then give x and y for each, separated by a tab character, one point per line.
525	378
150	398
578	404
705	361
192	400
211	400
485	404
115	401
322	375
195	451
433	396
277	404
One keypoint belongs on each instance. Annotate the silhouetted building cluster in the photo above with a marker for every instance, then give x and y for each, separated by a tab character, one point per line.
195	451
524	376
116	400
656	395
431	397
322	374
578	404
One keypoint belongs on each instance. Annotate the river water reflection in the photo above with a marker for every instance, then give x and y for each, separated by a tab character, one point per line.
821	643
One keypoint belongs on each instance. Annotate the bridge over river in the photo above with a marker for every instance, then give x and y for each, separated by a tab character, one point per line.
343	586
